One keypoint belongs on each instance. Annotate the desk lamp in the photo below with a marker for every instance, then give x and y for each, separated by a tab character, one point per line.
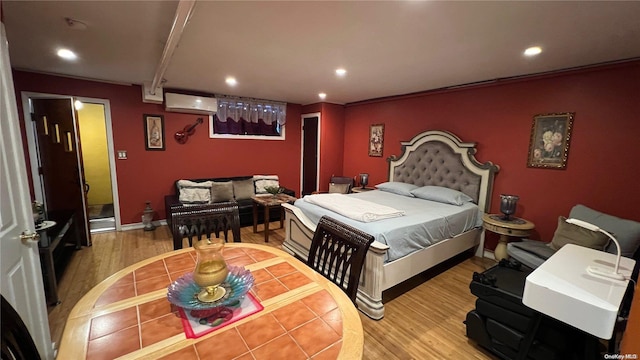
596	270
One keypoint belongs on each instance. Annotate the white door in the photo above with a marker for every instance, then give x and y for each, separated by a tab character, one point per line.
20	274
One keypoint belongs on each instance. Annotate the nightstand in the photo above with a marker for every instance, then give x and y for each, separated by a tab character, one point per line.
361	189
515	227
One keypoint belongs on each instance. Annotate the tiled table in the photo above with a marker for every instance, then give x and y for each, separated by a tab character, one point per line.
267	201
128	316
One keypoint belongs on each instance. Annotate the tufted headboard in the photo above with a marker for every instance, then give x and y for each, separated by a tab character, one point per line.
440	158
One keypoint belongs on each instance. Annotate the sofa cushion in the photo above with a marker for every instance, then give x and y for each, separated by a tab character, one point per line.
263	181
531	253
243	189
221	191
191	192
567	233
627	232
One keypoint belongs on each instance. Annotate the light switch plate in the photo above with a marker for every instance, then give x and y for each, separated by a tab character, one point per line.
122	154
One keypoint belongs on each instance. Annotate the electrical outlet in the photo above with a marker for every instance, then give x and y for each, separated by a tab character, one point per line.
122	154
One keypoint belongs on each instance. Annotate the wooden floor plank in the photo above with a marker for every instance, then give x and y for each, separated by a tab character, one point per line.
423	316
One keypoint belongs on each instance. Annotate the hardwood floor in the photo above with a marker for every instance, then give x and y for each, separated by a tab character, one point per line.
423	319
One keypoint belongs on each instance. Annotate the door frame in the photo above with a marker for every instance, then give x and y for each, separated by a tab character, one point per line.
33	149
309	115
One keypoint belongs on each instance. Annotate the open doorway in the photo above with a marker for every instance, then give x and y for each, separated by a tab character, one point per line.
97	171
96	118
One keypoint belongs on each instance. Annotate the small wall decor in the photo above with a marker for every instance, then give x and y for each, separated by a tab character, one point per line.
183	135
549	144
153	132
376	139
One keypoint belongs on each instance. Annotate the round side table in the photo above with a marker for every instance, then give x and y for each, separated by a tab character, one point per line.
515	227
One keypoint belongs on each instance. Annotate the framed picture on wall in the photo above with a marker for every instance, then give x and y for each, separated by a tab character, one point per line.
153	132
376	139
549	143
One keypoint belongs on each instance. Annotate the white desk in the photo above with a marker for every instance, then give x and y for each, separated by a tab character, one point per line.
562	288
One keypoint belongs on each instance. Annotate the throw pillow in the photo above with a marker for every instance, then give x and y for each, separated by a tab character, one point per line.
192	192
627	232
262	181
338	188
573	234
221	191
441	194
243	189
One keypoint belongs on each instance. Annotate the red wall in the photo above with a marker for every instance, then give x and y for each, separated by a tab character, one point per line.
149	175
601	171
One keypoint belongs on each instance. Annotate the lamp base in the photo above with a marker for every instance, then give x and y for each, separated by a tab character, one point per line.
595	270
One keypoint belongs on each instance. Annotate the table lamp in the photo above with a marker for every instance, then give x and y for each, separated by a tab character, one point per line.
364	179
596	270
508	205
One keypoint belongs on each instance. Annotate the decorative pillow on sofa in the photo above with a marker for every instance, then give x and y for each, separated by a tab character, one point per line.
243	189
263	181
573	234
627	232
441	194
192	192
221	191
339	188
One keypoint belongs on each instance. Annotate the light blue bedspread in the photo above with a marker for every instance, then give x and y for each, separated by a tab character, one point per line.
425	223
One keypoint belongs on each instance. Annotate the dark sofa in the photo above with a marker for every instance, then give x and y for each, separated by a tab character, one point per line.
245	205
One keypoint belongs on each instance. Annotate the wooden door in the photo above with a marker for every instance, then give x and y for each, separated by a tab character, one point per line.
60	165
309	154
20	275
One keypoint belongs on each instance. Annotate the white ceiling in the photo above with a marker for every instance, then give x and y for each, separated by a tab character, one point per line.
288	51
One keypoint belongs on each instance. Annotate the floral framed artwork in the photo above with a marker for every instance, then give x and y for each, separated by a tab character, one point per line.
549	144
153	132
376	139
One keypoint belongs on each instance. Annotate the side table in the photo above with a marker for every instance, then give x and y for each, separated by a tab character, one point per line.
267	201
515	227
361	189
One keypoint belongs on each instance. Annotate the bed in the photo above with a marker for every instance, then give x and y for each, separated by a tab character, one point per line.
436	158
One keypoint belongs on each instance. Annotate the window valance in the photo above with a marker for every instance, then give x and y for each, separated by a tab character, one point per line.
249	117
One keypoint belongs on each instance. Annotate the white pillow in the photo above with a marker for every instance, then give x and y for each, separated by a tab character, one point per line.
441	194
263	181
192	192
397	187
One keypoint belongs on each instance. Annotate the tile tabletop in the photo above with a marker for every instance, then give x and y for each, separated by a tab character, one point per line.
128	316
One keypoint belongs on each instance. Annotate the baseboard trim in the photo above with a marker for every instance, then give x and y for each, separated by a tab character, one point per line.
139	225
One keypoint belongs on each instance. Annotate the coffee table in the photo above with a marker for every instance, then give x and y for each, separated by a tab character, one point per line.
267	201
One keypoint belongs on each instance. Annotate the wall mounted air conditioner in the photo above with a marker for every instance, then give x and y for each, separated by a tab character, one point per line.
190	103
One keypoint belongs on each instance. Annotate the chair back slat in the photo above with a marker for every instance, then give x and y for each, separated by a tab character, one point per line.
216	219
338	252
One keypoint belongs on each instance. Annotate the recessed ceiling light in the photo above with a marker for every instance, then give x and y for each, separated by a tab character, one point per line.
533	51
67	54
322	96
341	72
231	81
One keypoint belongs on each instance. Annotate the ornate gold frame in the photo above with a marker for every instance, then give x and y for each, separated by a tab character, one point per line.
549	143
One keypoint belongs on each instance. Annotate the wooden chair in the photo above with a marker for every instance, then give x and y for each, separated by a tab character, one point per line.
336	181
201	221
17	343
338	252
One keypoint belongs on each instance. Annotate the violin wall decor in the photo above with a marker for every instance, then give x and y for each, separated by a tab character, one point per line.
183	135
